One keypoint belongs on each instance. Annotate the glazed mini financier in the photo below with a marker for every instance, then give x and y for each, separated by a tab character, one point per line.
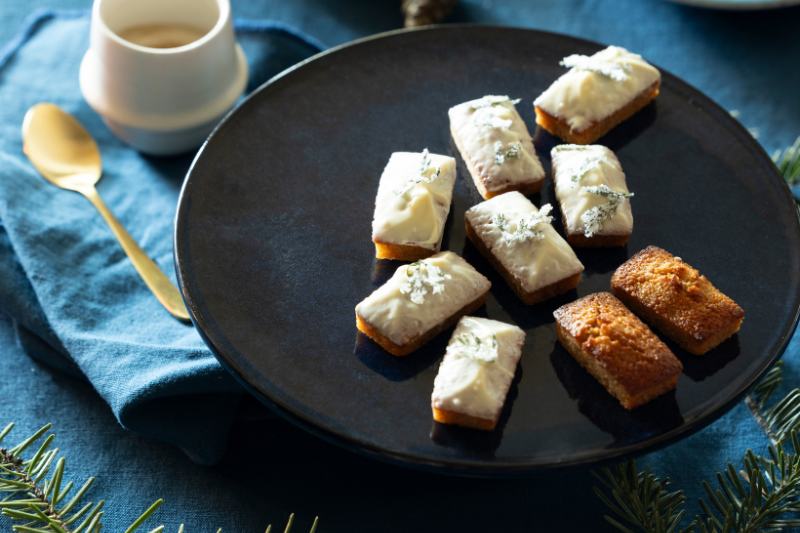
593	195
671	295
412	205
597	93
523	247
421	300
476	373
617	348
496	146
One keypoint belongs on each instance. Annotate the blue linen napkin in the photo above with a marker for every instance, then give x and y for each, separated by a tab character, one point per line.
78	303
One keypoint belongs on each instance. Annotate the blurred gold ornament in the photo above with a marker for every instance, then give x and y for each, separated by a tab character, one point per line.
423	12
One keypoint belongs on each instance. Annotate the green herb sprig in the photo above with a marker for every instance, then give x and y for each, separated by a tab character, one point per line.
610	69
514	152
594	218
527	229
419	176
423	276
491	101
473	347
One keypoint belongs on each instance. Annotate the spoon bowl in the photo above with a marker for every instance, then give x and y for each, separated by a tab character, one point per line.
60	147
67	156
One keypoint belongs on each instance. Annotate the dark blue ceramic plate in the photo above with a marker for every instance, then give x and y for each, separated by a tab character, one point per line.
273	250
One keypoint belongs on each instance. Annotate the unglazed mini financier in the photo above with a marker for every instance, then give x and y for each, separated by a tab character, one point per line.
671	295
421	300
617	348
412	205
522	245
496	146
593	194
597	93
476	373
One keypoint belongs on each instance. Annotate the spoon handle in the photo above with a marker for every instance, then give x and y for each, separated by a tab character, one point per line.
159	283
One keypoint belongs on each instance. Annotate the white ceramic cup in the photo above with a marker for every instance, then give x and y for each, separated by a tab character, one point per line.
162	101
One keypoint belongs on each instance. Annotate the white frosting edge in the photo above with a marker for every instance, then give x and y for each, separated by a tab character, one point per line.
575	201
401	320
477	146
536	263
476	388
417	217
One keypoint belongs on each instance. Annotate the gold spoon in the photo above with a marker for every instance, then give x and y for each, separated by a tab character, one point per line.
64	152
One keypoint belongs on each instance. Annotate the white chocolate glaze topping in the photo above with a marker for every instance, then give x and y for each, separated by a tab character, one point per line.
540	258
591	187
468	381
495	143
597	86
420	296
414	199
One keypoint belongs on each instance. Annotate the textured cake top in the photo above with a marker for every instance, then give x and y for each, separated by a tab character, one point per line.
591	188
414	199
421	295
523	241
620	343
494	138
478	367
677	292
597	86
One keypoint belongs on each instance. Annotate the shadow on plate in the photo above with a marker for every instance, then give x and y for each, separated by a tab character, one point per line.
384	269
396	368
615	140
700	367
604	411
475	443
601	260
526	317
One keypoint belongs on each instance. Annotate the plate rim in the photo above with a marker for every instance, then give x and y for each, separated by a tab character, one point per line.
451	465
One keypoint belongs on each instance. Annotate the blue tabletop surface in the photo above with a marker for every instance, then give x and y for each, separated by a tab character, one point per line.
744	61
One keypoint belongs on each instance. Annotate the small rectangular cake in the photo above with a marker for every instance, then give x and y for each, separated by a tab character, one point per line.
421	300
476	373
597	93
594	198
675	298
617	348
523	247
412	205
496	146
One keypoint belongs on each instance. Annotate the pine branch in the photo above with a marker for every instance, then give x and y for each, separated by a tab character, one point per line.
774	493
642	500
762	497
768	385
779	420
41	503
788	163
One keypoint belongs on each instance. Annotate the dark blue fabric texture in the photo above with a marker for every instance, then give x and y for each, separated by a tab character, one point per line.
79	304
87	322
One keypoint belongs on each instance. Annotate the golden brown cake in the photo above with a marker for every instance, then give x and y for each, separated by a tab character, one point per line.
420	301
471	386
676	299
617	348
597	94
519	242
